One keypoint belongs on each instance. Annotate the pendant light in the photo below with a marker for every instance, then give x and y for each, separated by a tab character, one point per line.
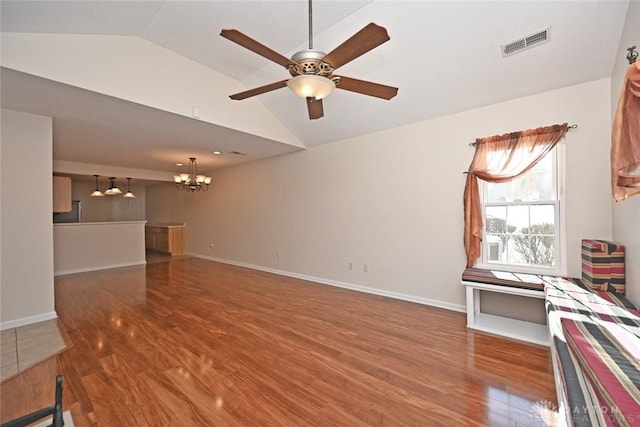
113	190
129	194
97	192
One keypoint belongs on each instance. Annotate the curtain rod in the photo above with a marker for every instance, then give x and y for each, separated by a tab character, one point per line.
473	144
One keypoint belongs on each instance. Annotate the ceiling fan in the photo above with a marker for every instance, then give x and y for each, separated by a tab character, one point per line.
311	71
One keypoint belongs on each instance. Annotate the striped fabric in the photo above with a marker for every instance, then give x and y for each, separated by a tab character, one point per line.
615	298
504	278
596	348
603	264
571	298
608	356
581	405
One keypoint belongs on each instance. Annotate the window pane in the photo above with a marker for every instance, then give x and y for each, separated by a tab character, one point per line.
496	192
518	216
543	219
517	249
494	247
496	219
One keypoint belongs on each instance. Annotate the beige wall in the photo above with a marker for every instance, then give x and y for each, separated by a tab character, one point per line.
97	246
177	85
626	214
391	200
165	204
26	272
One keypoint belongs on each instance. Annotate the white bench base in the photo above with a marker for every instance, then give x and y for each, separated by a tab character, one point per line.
505	326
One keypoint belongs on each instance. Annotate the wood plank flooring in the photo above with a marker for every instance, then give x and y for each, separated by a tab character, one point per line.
191	342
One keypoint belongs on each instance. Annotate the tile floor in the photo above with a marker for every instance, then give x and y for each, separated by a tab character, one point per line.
27	345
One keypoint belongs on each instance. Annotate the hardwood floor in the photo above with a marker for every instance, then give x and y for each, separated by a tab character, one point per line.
191	342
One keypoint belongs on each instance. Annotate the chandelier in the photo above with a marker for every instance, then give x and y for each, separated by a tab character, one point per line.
192	180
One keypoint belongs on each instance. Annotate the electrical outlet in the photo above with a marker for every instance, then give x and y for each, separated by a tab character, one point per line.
278	255
350	265
365	268
210	247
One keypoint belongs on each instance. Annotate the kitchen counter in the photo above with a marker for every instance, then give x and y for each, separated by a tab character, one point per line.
80	224
89	246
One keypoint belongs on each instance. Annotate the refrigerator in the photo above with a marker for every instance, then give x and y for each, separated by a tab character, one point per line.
74	216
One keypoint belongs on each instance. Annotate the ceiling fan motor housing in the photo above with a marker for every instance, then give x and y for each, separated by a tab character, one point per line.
310	62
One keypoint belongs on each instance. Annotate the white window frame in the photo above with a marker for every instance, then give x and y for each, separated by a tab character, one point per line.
560	217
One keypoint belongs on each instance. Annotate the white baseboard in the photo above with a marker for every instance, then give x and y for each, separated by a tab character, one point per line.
96	268
16	323
351	286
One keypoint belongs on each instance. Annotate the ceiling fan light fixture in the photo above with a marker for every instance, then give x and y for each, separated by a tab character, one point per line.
311	86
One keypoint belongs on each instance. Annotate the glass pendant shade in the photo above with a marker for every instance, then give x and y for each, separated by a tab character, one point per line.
97	192
113	190
311	86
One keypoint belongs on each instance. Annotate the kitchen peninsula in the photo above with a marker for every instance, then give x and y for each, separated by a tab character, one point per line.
88	246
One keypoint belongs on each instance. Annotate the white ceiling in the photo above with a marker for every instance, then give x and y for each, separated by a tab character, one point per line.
444	57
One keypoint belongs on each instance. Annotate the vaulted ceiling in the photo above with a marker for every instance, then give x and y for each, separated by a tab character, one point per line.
444	56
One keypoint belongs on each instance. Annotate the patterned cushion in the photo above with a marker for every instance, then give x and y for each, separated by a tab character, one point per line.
581	403
574	299
603	265
614	297
504	278
596	347
608	356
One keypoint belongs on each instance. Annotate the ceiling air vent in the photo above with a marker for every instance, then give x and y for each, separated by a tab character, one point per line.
525	42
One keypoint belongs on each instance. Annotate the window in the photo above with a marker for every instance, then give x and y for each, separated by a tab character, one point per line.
522	221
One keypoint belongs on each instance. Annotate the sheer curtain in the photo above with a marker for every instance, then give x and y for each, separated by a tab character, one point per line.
625	143
501	158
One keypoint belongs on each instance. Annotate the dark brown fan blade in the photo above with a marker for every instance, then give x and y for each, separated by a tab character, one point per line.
258	90
315	108
367	88
254	46
361	42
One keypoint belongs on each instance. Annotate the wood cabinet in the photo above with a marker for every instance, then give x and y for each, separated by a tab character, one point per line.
61	194
168	238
